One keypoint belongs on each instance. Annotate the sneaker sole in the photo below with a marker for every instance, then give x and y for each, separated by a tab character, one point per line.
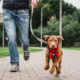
13	70
26	58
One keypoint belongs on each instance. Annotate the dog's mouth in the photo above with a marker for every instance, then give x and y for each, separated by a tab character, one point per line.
52	46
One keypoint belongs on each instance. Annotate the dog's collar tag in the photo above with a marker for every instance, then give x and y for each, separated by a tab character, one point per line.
53	54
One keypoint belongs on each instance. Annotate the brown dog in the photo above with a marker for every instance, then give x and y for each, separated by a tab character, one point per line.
55	52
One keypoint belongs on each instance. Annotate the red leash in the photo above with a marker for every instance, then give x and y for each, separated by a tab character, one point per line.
53	51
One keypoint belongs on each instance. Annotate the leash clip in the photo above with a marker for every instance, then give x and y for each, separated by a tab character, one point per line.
45	42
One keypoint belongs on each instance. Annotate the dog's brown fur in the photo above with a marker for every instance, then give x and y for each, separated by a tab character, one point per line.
53	43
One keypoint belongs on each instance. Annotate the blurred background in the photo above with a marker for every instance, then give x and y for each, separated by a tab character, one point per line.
51	22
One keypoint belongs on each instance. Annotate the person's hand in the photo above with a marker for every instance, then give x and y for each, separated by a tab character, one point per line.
34	2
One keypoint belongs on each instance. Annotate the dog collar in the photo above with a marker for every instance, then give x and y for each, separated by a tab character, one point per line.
53	52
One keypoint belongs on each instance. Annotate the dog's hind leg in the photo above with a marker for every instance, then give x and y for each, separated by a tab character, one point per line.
47	60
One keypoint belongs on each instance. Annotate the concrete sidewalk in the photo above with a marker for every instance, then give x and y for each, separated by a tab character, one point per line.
33	69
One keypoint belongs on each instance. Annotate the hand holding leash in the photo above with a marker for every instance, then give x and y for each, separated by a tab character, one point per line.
34	2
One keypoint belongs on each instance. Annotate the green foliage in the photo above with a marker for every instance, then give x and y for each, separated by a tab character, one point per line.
66	8
45	1
52	8
70	28
51	28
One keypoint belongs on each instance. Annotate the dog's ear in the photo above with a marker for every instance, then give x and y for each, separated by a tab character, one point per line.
46	37
60	37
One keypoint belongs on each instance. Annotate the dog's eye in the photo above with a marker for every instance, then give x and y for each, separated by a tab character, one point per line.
49	40
55	40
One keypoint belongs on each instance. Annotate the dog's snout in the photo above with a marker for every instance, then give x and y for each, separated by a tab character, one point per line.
52	45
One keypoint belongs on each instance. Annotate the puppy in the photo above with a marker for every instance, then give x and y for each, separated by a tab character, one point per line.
55	53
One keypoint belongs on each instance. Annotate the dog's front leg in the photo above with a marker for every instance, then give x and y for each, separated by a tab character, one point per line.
47	60
56	75
58	69
54	65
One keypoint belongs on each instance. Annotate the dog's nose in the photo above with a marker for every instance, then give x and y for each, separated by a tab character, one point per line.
52	45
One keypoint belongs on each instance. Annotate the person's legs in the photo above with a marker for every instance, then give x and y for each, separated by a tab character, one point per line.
9	22
22	20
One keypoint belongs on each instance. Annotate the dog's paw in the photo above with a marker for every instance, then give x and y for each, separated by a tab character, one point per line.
58	72
52	71
56	75
46	68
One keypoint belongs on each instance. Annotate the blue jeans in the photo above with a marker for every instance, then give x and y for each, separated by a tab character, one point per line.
21	18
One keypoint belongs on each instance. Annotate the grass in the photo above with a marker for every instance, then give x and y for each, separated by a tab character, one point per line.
5	52
71	48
